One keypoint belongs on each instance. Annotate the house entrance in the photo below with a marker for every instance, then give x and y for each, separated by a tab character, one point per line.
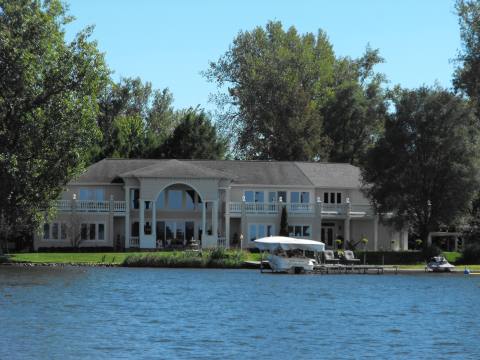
328	234
175	233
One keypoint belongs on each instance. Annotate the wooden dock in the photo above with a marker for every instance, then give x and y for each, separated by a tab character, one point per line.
348	269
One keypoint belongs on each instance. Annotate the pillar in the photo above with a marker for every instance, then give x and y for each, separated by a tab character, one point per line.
375	233
111	233
227	218
215	219
204	220
141	229
347	223
127	217
154	222
317	224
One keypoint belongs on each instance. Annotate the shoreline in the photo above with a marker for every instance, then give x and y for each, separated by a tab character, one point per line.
389	269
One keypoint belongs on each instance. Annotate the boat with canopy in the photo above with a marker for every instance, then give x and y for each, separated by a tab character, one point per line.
287	254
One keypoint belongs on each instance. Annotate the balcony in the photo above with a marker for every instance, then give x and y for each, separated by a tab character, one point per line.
301	209
91	205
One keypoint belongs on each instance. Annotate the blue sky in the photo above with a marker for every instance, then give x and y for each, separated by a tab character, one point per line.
169	42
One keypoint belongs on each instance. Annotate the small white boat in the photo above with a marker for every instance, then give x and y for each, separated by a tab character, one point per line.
288	254
439	264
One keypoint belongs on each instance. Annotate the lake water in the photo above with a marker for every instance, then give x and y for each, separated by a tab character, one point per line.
121	313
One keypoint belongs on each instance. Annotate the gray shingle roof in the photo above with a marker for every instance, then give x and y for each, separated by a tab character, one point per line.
177	169
276	173
331	175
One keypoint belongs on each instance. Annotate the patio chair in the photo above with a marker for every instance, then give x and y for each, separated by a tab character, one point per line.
349	257
329	257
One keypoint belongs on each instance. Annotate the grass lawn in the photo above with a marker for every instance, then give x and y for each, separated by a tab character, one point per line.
93	258
67	258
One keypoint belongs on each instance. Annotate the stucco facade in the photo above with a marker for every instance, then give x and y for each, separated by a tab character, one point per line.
152	204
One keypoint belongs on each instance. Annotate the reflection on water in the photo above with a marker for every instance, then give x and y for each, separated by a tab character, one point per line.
80	313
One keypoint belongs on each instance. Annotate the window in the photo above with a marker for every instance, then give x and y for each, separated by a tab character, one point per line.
160	204
257	231
282	196
91	232
180	230
63	231
272	196
294	197
55	231
249	196
135	229
46	231
134	197
83	232
304	197
299	230
332	197
92	194
190	199
147	205
101	231
174	199
147	228
254	196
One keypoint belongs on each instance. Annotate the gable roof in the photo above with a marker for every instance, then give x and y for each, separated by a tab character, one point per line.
177	169
241	172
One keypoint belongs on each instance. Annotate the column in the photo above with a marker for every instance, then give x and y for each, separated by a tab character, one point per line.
347	223
111	233
142	222
227	218
317	224
154	222
243	225
215	220
204	221
127	217
375	233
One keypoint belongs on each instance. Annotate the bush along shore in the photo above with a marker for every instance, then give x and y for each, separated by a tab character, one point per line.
218	258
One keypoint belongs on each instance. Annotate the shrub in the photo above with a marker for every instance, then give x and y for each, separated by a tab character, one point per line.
471	254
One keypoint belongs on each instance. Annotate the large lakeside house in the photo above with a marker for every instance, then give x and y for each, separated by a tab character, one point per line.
153	204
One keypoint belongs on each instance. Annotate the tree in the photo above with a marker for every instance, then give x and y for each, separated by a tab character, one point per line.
162	118
277	82
124	102
423	170
467	74
354	116
48	105
284	222
194	138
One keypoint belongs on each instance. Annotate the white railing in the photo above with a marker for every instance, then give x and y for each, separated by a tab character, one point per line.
301	209
90	205
134	241
222	242
361	210
334	209
119	206
93	205
64	204
235	207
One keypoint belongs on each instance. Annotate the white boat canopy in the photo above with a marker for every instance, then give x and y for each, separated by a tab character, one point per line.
286	243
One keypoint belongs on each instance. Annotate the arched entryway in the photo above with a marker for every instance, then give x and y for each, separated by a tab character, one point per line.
181	217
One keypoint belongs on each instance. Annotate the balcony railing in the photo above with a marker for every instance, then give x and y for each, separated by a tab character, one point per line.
134	241
302	209
222	242
91	205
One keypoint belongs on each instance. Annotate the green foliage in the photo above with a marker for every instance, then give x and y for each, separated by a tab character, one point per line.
284	222
467	74
218	258
471	254
354	116
423	170
195	137
48	106
289	98
277	81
